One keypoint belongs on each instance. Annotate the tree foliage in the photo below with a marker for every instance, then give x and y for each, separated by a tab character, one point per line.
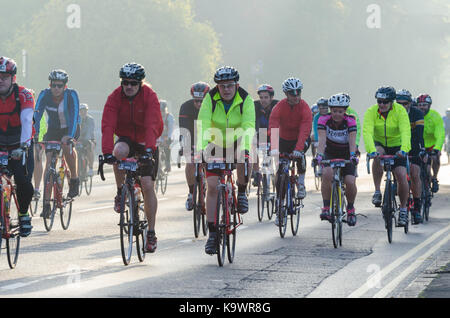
161	35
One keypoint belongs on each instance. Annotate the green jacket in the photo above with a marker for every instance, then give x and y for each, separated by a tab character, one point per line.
352	112
240	118
394	131
43	129
434	130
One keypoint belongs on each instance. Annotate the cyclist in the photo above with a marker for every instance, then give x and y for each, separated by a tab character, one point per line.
322	105
166	138
226	122
263	109
387	131
132	113
293	117
87	136
417	145
434	136
16	126
39	157
62	107
337	140
186	121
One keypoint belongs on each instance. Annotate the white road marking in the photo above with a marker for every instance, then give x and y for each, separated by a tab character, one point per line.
95	209
394	283
114	260
367	286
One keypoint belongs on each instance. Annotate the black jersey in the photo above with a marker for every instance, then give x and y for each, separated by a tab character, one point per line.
417	126
187	117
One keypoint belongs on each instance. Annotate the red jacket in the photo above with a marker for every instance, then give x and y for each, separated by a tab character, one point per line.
139	119
294	122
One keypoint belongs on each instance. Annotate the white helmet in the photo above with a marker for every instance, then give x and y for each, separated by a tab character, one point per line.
339	100
292	84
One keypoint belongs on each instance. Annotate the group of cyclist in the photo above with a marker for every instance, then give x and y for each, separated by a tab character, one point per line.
219	121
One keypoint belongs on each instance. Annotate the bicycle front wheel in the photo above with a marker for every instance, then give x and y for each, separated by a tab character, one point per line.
283	205
197	208
260	201
387	210
13	240
49	198
88	185
336	225
126	224
142	228
221	217
231	233
66	214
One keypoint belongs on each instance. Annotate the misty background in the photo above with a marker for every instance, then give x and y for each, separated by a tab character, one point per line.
333	46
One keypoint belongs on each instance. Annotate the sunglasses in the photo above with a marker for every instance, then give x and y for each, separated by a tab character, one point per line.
297	92
132	83
423	104
57	85
383	102
227	86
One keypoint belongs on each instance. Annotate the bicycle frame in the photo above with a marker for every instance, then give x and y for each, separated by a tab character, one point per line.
57	154
5	178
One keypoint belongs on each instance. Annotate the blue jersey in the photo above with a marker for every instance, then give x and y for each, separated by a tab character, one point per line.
71	106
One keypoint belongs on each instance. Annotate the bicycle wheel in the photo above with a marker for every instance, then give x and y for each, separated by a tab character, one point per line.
387	210
141	230
13	240
49	198
164	183
317	180
295	214
34	206
197	208
335	217
283	203
231	233
221	213
88	185
66	214
260	197
126	224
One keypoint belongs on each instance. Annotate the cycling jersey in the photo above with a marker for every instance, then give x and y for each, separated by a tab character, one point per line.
186	119
434	131
417	125
16	117
240	117
87	129
337	135
293	122
262	115
169	123
60	116
394	130
138	118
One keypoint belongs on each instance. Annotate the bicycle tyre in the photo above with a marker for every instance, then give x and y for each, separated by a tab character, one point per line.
66	215
231	233
141	231
295	216
260	201
282	205
197	206
387	210
317	180
164	183
334	214
126	224
49	187
13	241
221	245
88	185
33	207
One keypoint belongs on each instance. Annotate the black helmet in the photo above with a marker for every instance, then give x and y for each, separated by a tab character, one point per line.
387	93
58	75
322	102
199	89
226	73
404	95
132	71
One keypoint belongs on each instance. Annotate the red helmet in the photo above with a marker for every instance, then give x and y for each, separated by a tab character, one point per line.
199	90
8	65
266	88
424	99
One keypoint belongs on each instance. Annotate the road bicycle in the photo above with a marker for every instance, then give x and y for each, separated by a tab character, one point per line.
85	178
227	220
133	220
389	207
162	175
288	205
317	175
9	218
56	188
264	193
199	201
338	203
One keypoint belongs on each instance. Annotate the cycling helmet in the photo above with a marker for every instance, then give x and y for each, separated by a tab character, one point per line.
58	75
226	73
424	99
132	71
387	93
199	90
315	109
322	102
292	84
404	95
266	88
339	100
84	106
8	65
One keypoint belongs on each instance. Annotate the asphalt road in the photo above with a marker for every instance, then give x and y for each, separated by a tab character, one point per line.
85	260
